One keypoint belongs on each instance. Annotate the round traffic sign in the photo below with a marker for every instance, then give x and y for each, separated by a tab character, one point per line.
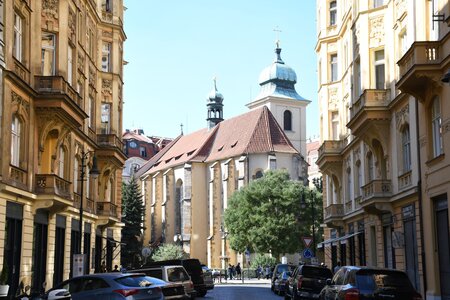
146	251
307	253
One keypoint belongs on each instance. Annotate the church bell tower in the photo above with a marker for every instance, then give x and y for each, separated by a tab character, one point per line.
214	106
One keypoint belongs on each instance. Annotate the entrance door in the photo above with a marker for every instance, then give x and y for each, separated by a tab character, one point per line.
40	251
443	241
13	245
98	252
59	249
75	245
409	227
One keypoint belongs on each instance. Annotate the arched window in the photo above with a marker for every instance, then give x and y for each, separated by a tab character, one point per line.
76	176
287	120
406	149
178	207
88	182
358	179
436	127
16	128
258	174
349	185
61	161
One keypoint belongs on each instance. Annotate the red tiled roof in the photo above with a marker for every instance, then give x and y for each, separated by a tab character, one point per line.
130	135
256	131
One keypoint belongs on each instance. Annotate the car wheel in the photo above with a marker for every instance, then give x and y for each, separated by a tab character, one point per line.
294	295
272	288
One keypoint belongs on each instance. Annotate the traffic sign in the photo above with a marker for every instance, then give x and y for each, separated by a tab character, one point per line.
146	251
307	240
307	253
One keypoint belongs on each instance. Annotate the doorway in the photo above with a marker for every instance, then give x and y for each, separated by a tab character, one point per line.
40	237
443	243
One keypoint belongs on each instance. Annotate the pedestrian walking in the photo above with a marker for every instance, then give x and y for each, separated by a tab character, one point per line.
230	271
258	272
238	271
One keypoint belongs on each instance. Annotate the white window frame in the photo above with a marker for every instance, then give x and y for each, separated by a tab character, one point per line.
76	168
106	56
370	167
61	161
377	3
406	149
379	63
436	126
333	13
106	117
51	49
16	128
335	125
333	67
18	37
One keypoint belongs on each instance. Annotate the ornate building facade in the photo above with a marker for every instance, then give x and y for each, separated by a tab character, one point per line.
61	115
383	129
186	185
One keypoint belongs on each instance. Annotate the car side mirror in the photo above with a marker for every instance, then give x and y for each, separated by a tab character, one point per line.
328	282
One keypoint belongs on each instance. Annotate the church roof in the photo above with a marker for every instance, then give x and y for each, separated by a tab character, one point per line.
256	131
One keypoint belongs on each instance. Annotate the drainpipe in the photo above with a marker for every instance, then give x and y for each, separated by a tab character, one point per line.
419	186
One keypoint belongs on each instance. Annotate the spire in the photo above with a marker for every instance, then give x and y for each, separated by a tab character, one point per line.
214	106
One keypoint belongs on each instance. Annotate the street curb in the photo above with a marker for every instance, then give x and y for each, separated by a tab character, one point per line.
235	282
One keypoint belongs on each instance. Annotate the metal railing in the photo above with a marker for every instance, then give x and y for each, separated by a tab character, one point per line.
53	184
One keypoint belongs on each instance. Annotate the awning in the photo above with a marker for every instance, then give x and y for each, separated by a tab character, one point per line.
342	239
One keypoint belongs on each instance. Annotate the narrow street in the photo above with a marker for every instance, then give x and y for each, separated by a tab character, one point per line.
238	291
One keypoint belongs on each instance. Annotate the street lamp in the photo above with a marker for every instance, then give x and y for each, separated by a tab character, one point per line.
93	172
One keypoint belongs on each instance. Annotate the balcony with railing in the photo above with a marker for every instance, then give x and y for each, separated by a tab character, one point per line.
422	64
55	93
110	145
376	196
333	215
107	209
404	180
18	177
330	151
54	190
371	106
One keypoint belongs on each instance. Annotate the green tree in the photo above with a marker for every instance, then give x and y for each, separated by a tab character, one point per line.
263	260
132	217
312	212
266	215
169	251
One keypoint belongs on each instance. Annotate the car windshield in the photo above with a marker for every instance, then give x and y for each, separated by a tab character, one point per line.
315	272
284	268
379	279
177	274
139	281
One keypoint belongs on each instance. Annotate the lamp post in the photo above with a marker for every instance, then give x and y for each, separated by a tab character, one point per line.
93	172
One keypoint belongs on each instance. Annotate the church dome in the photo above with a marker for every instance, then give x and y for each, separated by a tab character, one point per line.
278	70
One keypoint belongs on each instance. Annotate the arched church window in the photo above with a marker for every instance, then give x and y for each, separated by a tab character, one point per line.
287	118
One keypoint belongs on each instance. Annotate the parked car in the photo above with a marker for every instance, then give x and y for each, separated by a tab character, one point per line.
279	284
306	282
113	286
194	269
208	277
172	274
369	283
280	268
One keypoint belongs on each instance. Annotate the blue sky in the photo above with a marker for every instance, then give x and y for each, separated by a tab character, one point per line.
175	48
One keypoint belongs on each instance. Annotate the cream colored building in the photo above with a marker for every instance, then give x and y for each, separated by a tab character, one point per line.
383	122
61	105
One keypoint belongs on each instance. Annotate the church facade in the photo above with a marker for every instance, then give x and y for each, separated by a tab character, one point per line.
186	186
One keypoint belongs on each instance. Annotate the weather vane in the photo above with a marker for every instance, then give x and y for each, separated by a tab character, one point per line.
277	30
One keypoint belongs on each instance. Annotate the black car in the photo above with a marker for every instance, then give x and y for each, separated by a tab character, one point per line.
307	282
278	270
194	269
279	284
369	283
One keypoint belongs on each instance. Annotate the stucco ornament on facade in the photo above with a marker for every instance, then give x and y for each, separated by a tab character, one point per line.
107	86
50	14
402	116
15	98
333	99
80	62
376	32
72	26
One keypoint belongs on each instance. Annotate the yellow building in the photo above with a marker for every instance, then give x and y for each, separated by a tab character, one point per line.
384	136
61	107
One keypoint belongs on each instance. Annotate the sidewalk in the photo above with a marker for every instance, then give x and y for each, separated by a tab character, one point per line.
246	281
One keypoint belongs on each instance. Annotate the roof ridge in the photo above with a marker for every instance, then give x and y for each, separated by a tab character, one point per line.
266	115
251	140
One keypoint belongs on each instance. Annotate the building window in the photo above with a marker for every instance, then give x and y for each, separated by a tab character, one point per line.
105	118
403	40
287	120
91	111
143	151
335	125
406	149
377	3
18	37
333	13
358	179
436	127
106	57
370	176
358	85
88	181
349	185
333	67
16	128
379	70
48	54
61	161
76	175
107	5
70	65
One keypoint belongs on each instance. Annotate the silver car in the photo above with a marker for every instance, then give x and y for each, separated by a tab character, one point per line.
113	286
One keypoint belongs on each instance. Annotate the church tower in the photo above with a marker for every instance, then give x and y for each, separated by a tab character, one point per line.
278	93
214	106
